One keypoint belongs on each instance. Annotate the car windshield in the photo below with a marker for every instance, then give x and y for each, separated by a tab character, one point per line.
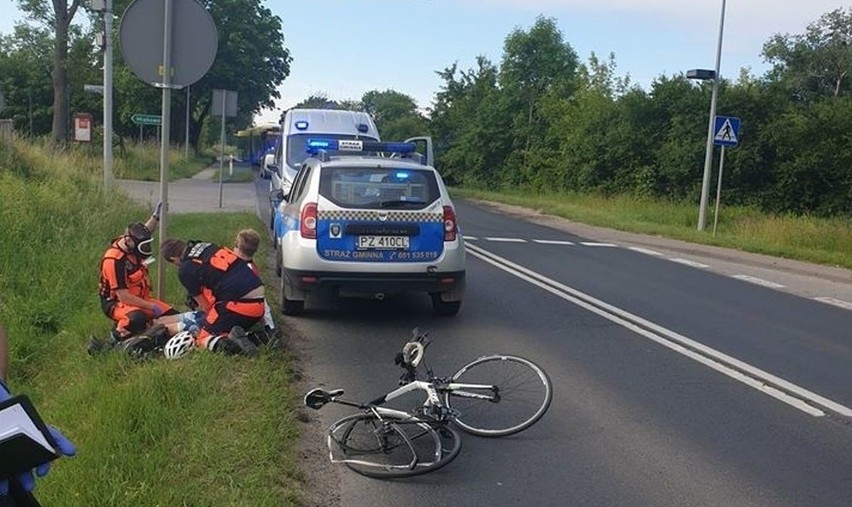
296	152
379	187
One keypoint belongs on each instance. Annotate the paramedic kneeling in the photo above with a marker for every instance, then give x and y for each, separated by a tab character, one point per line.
226	289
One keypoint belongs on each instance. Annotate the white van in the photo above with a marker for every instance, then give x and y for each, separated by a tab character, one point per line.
301	124
297	127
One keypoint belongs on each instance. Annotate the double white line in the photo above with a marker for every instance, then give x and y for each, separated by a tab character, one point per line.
763	381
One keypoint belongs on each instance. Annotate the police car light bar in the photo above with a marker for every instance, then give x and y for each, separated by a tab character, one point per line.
315	145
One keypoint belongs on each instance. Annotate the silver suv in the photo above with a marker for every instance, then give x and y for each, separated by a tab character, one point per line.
370	218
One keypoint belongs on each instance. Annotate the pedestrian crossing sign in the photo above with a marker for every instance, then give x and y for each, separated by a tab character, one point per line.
727	131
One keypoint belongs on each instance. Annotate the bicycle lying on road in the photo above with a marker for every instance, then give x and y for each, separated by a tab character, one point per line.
492	396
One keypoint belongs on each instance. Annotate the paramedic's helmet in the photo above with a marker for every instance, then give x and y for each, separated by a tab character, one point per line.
178	345
142	239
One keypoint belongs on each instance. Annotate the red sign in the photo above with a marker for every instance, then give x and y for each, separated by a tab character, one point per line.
83	127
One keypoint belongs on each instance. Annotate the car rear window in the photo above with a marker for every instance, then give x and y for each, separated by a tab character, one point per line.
379	188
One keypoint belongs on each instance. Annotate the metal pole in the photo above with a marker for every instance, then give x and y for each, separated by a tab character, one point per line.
186	134
708	154
222	147
718	190
108	95
164	143
31	110
140	134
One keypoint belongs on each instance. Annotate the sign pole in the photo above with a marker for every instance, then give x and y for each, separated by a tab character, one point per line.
164	143
222	147
186	134
708	153
718	190
108	95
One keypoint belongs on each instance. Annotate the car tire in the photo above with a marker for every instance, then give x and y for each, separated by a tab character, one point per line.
444	308
290	306
278	261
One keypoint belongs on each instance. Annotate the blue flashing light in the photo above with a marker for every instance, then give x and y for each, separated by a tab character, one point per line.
314	145
301	125
402	175
396	147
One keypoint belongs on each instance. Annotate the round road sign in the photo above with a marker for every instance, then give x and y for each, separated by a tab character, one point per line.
194	41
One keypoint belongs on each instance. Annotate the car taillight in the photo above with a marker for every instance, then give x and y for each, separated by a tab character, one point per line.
308	221
450	227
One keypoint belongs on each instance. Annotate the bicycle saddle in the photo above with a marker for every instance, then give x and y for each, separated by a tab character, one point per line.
316	398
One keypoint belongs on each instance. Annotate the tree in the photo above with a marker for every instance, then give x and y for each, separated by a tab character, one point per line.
251	59
535	62
26	56
58	15
468	123
317	101
395	114
817	63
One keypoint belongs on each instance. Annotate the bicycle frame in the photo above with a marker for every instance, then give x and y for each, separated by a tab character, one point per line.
432	389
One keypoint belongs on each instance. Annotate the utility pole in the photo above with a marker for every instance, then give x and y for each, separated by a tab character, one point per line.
107	95
708	154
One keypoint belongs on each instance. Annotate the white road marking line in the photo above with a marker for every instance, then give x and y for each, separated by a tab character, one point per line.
759	281
688	262
593	243
644	250
767	383
552	242
470	238
836	302
506	240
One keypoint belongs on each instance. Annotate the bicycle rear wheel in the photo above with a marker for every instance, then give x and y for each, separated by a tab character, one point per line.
498	395
391	446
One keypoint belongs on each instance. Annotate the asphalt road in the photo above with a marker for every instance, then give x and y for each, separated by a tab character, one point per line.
683	375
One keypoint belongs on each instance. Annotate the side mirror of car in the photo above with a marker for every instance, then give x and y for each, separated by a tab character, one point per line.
278	195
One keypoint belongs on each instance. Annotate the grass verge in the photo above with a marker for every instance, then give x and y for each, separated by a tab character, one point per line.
206	431
142	162
820	240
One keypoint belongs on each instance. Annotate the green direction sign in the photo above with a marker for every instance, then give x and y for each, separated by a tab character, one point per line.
147	119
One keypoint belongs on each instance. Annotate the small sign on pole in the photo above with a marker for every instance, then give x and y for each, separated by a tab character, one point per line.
727	134
727	131
146	119
224	104
83	127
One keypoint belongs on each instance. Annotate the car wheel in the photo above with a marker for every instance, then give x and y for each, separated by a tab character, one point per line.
444	308
290	306
278	261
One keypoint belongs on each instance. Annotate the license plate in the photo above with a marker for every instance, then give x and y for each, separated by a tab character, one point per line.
383	242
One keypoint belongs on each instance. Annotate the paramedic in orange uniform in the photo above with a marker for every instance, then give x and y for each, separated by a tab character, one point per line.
125	287
225	286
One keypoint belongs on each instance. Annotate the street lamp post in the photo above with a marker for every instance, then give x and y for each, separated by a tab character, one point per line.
708	154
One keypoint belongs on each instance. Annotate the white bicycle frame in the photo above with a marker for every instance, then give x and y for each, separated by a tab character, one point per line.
432	396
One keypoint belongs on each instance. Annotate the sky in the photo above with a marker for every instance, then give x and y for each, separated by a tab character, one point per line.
344	48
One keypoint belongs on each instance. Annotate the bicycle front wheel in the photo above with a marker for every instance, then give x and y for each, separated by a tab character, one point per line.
391	446
498	395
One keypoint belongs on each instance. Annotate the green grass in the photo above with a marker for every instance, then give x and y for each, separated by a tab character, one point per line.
206	430
820	240
142	162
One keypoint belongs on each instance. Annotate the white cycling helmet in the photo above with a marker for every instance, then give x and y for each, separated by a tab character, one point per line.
178	345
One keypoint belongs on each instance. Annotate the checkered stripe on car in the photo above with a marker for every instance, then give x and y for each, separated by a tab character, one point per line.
375	216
